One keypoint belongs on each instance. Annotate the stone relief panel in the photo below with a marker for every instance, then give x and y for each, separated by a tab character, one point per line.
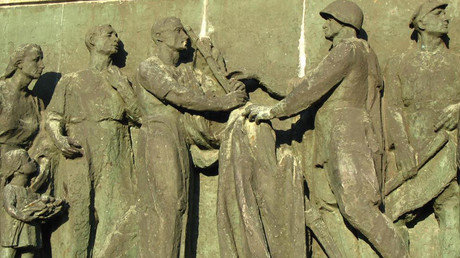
127	134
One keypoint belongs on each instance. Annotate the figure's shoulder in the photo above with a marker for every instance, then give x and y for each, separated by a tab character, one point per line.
153	66
397	61
356	44
10	190
347	44
65	85
348	48
73	79
151	62
68	77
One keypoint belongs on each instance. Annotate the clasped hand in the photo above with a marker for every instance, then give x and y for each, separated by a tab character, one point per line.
257	113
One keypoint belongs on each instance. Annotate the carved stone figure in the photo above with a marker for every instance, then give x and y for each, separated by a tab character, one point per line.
25	209
421	125
171	89
345	136
19	109
88	119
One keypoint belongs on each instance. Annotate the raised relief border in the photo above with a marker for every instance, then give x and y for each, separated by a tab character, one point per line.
35	2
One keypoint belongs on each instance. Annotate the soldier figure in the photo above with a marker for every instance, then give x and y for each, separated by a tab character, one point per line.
423	100
345	138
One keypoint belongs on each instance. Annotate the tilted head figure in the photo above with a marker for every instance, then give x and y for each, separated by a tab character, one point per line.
170	31
342	12
102	39
16	162
27	59
431	18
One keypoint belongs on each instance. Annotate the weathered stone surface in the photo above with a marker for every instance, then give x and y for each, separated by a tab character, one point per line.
260	38
421	128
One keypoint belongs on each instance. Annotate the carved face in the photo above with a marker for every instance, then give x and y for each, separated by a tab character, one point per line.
331	28
174	36
28	165
106	42
435	22
32	63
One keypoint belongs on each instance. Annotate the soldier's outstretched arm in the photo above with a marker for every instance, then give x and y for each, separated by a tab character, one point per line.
324	78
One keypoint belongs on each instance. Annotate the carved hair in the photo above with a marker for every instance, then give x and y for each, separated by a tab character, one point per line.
11	163
17	57
95	31
162	26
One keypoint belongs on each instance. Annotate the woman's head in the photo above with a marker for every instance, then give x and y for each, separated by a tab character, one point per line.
29	59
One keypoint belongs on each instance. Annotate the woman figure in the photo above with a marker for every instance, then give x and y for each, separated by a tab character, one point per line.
19	109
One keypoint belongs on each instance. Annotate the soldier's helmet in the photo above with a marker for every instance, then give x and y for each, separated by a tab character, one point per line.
424	9
346	12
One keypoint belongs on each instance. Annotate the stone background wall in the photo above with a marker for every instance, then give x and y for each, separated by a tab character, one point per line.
259	36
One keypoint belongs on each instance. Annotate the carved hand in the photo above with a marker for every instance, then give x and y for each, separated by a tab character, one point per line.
69	147
234	99
119	81
448	118
256	113
28	217
237	85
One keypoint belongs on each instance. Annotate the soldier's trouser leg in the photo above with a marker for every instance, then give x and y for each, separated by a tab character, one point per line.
374	225
447	209
354	184
325	201
163	191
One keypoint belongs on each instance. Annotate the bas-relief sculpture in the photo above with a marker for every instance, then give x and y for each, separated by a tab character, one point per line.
422	127
88	119
25	209
345	133
21	178
377	167
171	90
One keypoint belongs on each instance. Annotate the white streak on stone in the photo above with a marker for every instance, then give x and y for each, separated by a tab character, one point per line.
204	20
60	41
302	54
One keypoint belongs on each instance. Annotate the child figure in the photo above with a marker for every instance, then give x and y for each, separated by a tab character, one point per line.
25	209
